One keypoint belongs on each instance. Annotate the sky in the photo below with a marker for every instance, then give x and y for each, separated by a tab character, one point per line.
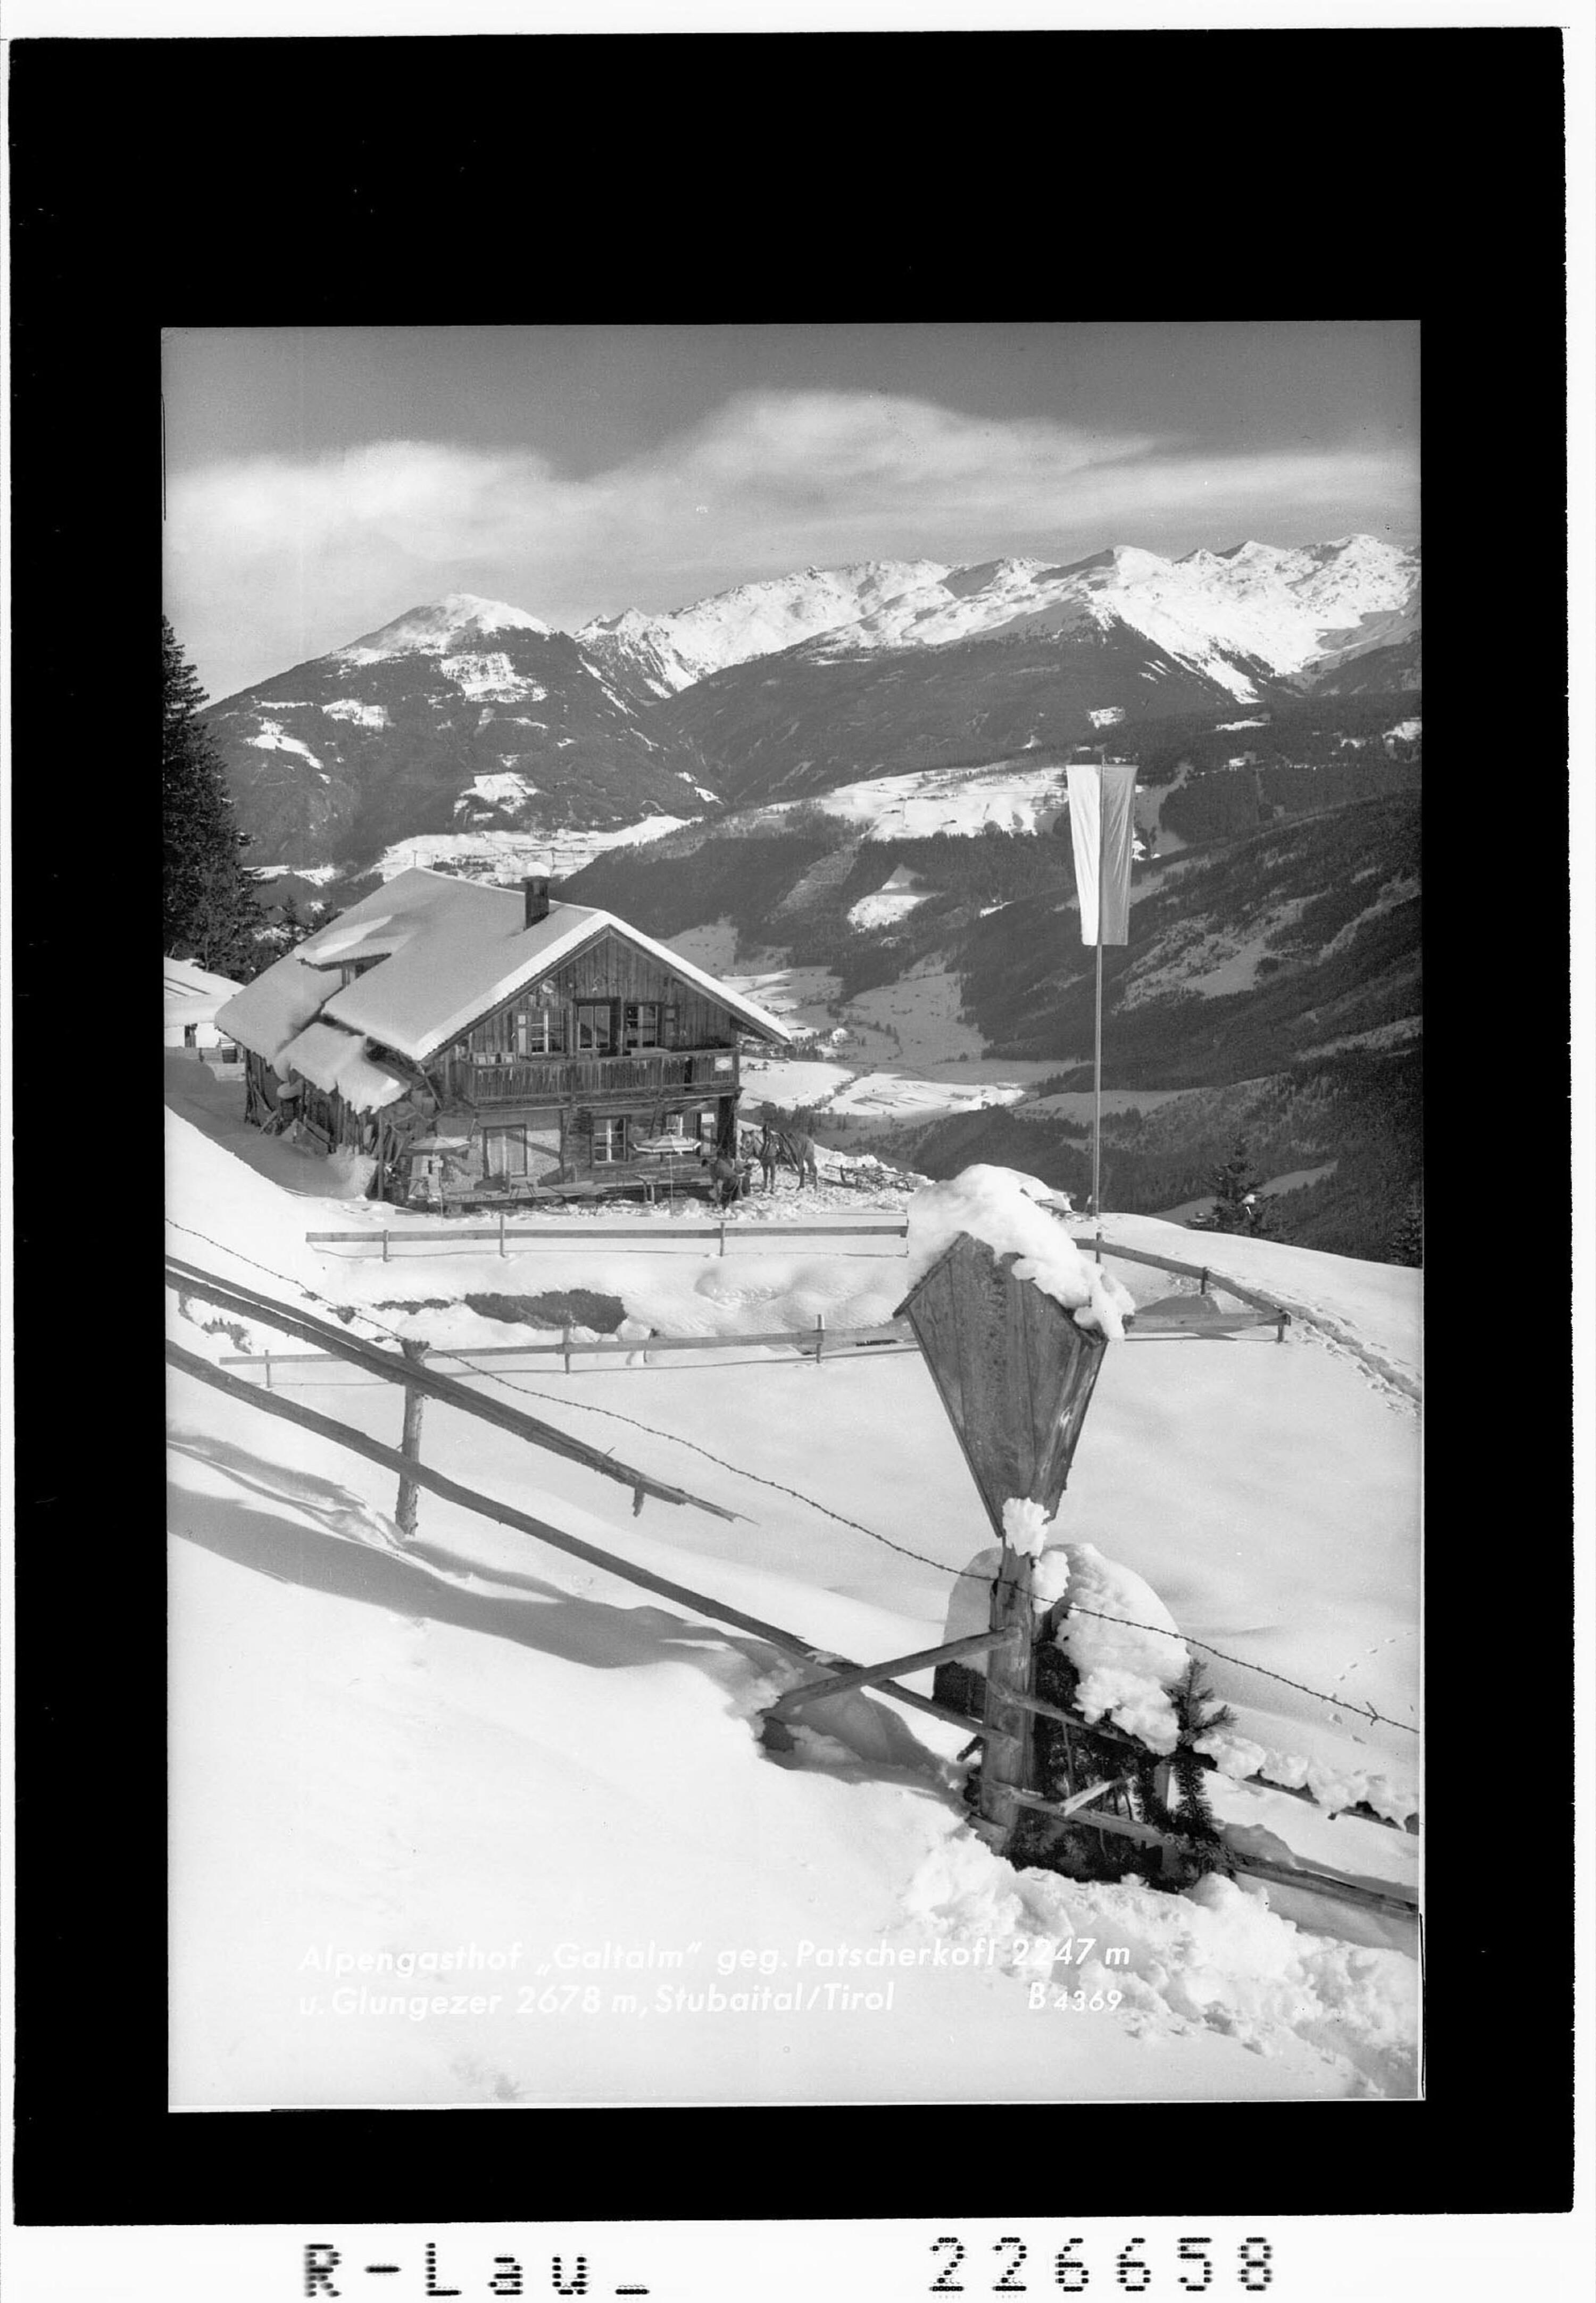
321	481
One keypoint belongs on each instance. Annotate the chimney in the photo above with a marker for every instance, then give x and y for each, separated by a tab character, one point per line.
537	892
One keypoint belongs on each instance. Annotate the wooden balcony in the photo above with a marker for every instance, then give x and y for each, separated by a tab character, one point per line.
578	1079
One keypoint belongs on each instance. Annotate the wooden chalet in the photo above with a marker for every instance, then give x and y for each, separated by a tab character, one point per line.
481	1039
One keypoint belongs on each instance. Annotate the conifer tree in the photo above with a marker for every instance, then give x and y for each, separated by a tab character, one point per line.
1408	1241
209	911
1232	1183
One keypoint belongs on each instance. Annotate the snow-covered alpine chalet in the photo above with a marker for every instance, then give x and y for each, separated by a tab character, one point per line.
448	1032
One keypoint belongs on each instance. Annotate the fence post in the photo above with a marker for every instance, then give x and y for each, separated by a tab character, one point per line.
722	1234
404	1513
565	1344
502	1255
384	1242
1006	1762
268	1366
819	1336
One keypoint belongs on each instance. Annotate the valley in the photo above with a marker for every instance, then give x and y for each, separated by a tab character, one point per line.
846	789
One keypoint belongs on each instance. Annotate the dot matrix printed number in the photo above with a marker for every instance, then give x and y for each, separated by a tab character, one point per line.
1191	2251
1009	2284
1255	2271
1136	2272
944	2284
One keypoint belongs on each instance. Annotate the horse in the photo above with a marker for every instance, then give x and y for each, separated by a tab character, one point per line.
780	1146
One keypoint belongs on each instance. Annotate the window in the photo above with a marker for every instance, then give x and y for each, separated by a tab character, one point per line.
191	1035
648	1024
595	1027
609	1141
538	1032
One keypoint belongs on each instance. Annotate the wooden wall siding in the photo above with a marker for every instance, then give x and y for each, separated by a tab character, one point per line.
608	968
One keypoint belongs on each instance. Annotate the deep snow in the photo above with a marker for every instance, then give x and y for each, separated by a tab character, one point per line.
479	1741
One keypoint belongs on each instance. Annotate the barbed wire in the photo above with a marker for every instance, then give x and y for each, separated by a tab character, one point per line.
1336	1703
589	1407
958	1575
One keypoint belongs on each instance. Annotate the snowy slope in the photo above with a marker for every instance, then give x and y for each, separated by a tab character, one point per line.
961	801
505	857
478	1744
1371	1312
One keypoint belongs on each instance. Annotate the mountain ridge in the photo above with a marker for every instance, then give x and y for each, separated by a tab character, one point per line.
468	715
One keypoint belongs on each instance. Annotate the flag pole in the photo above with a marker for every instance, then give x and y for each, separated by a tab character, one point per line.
1097	1043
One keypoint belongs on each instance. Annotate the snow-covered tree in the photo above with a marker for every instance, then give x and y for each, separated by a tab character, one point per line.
209	911
1237	1206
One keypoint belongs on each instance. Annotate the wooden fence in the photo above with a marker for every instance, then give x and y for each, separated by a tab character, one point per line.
601	1232
247	1303
1203	1273
817	1343
1006	1643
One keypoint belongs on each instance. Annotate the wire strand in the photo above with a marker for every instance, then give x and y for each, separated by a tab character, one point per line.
1332	1702
589	1407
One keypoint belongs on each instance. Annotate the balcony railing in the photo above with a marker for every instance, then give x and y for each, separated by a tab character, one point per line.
559	1079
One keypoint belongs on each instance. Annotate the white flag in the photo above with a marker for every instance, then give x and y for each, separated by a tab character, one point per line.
1102	825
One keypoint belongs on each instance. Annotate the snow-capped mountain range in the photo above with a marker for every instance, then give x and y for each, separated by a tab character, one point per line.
668	652
469	715
1289	609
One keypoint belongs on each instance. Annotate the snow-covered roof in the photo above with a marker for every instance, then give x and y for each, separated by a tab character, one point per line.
329	1058
182	976
447	950
266	1014
192	994
457	948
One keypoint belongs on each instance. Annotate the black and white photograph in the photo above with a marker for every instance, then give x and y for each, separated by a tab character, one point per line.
795	1230
855	1485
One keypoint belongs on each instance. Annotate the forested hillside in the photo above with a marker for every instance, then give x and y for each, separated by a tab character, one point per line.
1360	1109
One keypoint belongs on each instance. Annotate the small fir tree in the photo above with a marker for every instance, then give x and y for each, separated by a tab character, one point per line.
209	911
1187	1813
1237	1206
1408	1241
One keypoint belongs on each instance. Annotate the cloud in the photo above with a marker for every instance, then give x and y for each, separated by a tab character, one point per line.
273	560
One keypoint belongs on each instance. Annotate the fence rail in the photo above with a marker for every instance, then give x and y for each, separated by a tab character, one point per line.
601	1232
186	1278
819	1342
1203	1272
